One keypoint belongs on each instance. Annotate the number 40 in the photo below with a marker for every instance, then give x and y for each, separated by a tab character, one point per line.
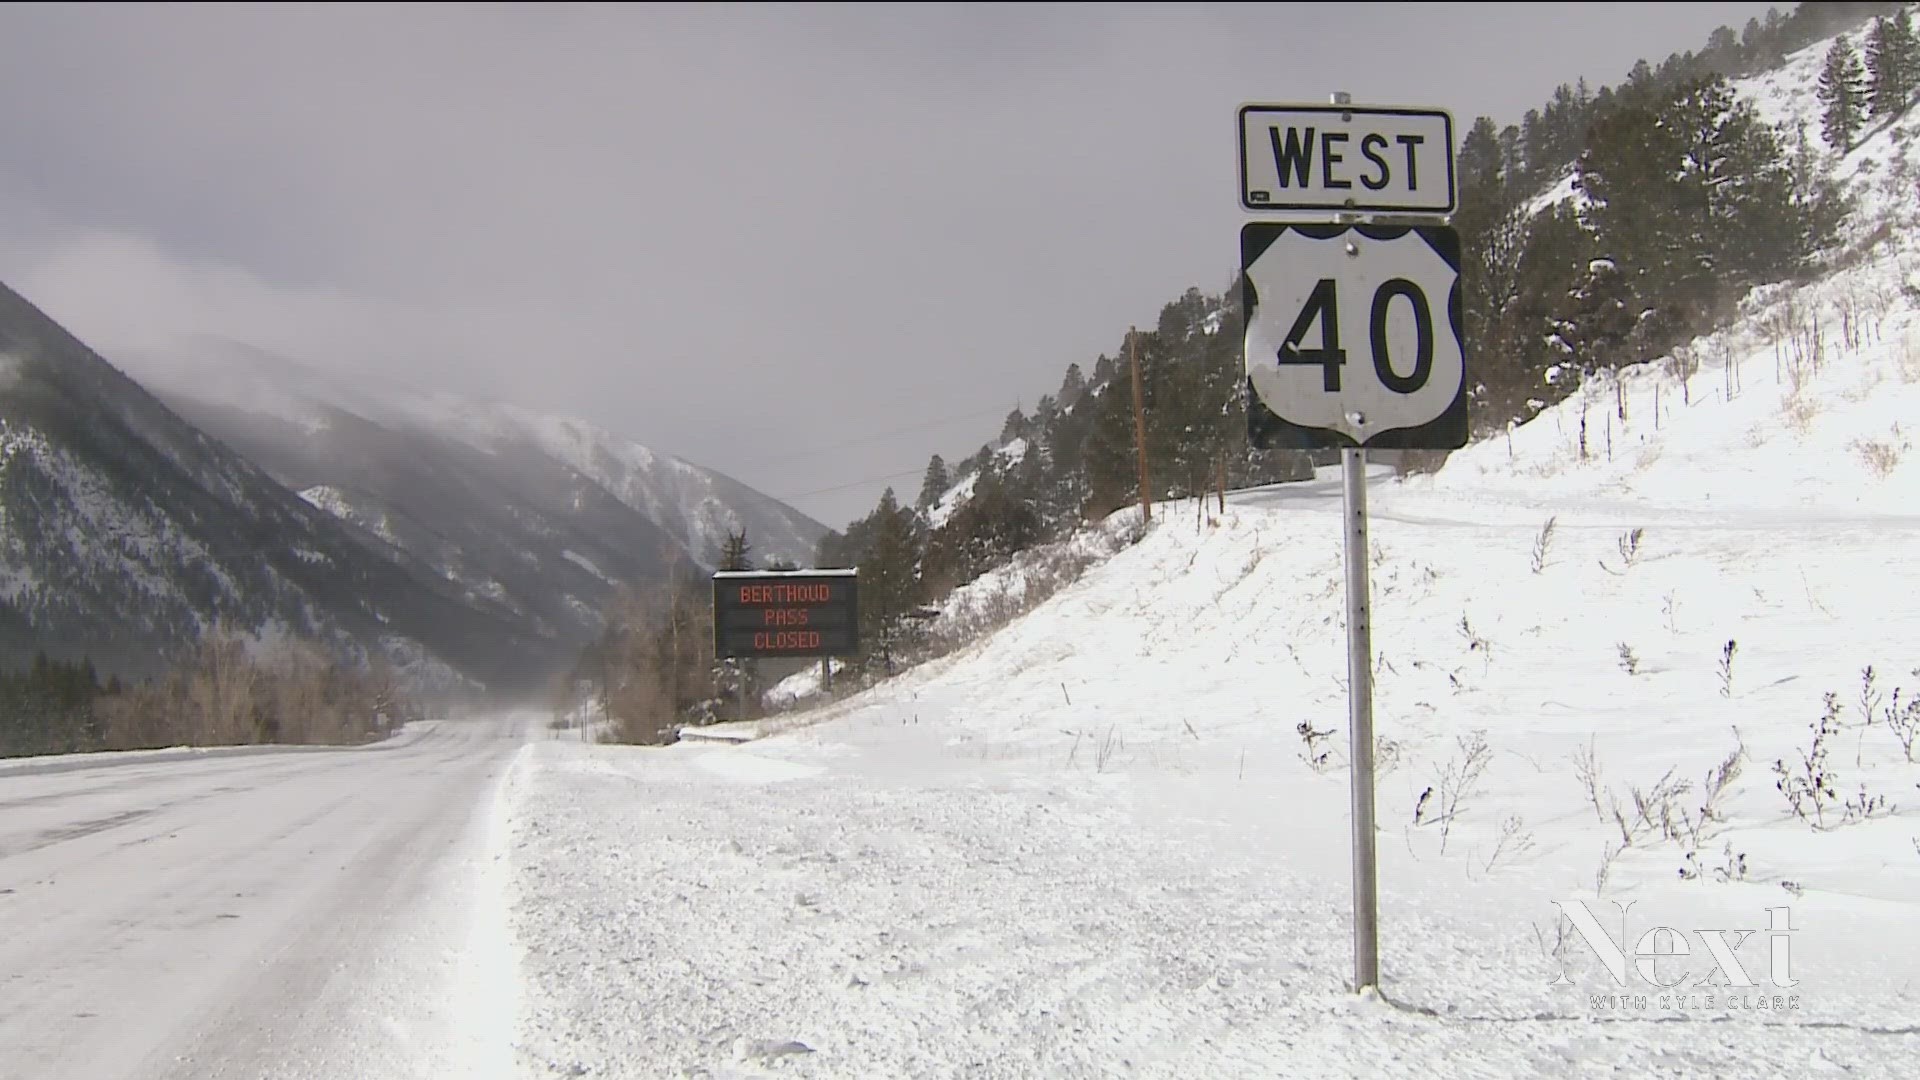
1323	306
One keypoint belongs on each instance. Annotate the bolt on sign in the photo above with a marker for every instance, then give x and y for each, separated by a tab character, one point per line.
774	613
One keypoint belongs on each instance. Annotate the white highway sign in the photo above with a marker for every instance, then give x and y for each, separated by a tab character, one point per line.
1353	336
1346	157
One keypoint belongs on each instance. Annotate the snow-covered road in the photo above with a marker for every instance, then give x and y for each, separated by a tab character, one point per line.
278	915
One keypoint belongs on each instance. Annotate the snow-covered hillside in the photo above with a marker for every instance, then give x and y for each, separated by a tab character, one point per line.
1112	838
956	495
1106	814
1784	98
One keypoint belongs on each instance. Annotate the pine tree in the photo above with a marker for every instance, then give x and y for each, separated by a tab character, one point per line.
1479	158
1512	163
1482	197
1880	62
1906	56
1540	262
935	485
1045	412
1820	204
1596	329
1015	426
1842	91
1890	64
889	576
1071	387
1635	202
1533	144
1736	170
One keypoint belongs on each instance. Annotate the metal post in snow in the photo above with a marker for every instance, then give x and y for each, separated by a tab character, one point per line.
1366	900
1366	906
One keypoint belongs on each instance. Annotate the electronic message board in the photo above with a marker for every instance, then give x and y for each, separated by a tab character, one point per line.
768	613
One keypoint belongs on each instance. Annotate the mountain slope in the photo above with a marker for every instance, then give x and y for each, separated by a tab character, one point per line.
543	514
511	527
124	532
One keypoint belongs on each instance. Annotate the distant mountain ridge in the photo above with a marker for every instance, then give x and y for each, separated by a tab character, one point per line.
543	515
125	532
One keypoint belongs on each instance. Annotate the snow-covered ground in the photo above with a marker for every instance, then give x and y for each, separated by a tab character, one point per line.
1094	843
1112	837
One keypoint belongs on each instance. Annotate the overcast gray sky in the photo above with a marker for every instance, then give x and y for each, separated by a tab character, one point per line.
748	236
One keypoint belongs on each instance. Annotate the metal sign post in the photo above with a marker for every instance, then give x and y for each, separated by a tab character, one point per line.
1366	890
1366	875
1315	291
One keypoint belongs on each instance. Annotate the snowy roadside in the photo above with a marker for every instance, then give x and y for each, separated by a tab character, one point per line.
45	764
1651	657
1096	843
751	911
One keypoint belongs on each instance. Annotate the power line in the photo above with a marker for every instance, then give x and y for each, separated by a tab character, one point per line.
923	425
855	484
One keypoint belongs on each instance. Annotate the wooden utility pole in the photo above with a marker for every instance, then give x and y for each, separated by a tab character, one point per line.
1140	429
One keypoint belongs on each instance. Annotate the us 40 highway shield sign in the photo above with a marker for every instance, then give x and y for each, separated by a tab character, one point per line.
1353	336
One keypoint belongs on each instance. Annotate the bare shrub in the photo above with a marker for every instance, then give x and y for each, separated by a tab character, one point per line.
1458	779
1732	866
1586	768
1317	758
220	683
655	662
1657	810
141	717
1475	643
1807	785
1514	841
1904	721
1883	456
1629	545
225	692
1604	871
1629	663
1718	781
1110	744
1799	410
1542	542
1907	357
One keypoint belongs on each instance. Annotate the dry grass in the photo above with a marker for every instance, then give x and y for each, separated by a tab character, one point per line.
1882	456
1907	356
1799	410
